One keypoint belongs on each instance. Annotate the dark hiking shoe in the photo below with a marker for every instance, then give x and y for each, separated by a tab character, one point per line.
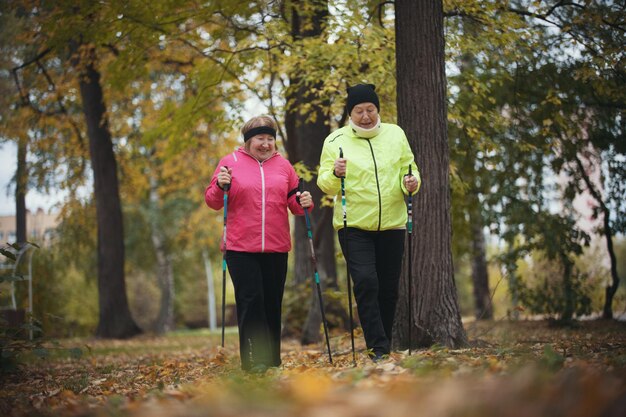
259	369
379	357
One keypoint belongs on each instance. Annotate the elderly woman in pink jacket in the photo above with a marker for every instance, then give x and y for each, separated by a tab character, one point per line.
263	185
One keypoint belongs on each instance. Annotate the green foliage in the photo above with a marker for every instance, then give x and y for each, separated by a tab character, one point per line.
542	290
463	282
177	76
525	115
296	307
8	254
191	282
76	384
297	300
551	360
16	344
64	286
304	172
64	295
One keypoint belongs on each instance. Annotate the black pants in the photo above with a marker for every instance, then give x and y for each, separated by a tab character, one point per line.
259	281
375	263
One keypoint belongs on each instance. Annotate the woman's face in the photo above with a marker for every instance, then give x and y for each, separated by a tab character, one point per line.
261	146
365	115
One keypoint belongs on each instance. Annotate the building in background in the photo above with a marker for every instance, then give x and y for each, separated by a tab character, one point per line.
39	227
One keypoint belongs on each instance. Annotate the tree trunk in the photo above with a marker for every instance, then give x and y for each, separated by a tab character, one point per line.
21	181
165	271
306	134
568	308
115	320
509	270
483	309
422	113
607	311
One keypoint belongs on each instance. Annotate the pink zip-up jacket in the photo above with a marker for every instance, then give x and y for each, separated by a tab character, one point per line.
260	192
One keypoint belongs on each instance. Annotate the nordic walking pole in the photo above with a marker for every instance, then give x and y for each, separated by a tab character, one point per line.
317	276
345	239
409	227
226	189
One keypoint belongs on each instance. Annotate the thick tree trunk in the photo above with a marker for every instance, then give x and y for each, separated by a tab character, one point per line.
21	181
309	138
165	270
422	113
115	320
306	134
483	309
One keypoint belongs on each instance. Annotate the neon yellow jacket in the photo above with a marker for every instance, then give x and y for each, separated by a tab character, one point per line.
375	170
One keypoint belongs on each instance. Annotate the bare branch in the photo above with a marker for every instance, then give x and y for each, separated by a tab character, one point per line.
590	187
248	28
588	43
178	63
63	109
32	61
26	102
458	13
112	48
26	99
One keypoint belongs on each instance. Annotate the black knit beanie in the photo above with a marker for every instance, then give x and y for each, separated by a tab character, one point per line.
362	93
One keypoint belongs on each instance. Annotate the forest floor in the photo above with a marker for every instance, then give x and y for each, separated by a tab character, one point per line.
517	369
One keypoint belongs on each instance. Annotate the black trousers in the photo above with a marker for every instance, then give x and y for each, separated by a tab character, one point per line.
259	281
375	264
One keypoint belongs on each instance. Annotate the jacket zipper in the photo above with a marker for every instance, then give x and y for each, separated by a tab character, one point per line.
262	207
377	185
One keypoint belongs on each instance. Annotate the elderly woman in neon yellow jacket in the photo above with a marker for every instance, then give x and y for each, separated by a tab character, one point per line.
375	165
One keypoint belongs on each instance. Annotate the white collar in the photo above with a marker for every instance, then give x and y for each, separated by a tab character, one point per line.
365	133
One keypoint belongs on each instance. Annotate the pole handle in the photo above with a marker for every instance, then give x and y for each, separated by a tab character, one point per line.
300	189
341	156
226	186
410	175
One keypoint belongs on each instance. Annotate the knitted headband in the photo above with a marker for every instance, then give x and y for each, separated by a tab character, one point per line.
257	131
